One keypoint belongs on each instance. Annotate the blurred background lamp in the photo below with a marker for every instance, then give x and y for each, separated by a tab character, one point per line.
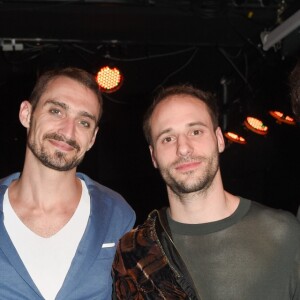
235	138
109	79
282	118
256	125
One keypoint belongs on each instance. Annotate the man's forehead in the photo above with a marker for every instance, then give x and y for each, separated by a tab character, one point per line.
179	110
61	80
60	91
61	84
179	104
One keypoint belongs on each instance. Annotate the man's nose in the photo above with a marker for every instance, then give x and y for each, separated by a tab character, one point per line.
68	128
184	146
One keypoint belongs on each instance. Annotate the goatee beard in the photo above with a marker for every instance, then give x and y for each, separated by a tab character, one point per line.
57	161
192	184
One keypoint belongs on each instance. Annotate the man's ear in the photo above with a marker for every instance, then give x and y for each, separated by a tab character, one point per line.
220	139
153	156
25	113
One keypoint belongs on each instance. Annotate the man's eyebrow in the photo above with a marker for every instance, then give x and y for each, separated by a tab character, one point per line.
65	107
88	115
167	130
58	103
199	123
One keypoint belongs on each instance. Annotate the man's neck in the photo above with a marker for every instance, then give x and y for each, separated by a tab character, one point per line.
40	183
45	200
206	206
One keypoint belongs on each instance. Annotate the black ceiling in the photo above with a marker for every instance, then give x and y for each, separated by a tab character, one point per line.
158	43
196	23
199	41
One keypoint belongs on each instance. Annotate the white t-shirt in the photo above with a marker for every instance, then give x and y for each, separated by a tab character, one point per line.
48	260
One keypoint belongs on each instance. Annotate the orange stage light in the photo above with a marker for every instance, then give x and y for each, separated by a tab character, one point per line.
256	125
235	138
109	79
282	118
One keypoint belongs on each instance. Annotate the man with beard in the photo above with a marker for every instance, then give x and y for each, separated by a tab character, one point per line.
208	244
59	228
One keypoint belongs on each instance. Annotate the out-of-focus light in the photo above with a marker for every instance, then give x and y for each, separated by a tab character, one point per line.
256	125
109	79
235	138
282	118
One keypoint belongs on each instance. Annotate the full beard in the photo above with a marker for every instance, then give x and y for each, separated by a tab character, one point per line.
192	182
57	161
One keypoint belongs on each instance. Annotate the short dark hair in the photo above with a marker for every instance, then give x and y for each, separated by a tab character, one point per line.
79	75
294	82
207	97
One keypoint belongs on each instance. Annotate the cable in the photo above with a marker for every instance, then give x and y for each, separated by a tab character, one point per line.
178	70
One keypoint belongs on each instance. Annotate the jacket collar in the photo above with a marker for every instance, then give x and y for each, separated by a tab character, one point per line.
89	246
164	236
91	242
6	244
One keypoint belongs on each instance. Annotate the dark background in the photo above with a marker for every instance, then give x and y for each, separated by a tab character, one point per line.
214	45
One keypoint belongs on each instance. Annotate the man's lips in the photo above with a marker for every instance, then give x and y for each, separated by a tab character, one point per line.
61	145
187	166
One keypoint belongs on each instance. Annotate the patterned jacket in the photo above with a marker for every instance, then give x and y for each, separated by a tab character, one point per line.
148	266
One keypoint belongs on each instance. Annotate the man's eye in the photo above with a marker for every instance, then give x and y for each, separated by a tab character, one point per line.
167	139
85	124
196	132
54	111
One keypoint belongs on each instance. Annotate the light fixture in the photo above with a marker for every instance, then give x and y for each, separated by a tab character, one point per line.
270	39
282	118
256	125
109	79
234	137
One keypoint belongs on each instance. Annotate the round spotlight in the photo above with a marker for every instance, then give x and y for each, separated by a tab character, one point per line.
282	118
109	79
233	137
256	125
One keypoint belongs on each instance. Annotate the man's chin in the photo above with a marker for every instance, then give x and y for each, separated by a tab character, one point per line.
61	165
60	168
